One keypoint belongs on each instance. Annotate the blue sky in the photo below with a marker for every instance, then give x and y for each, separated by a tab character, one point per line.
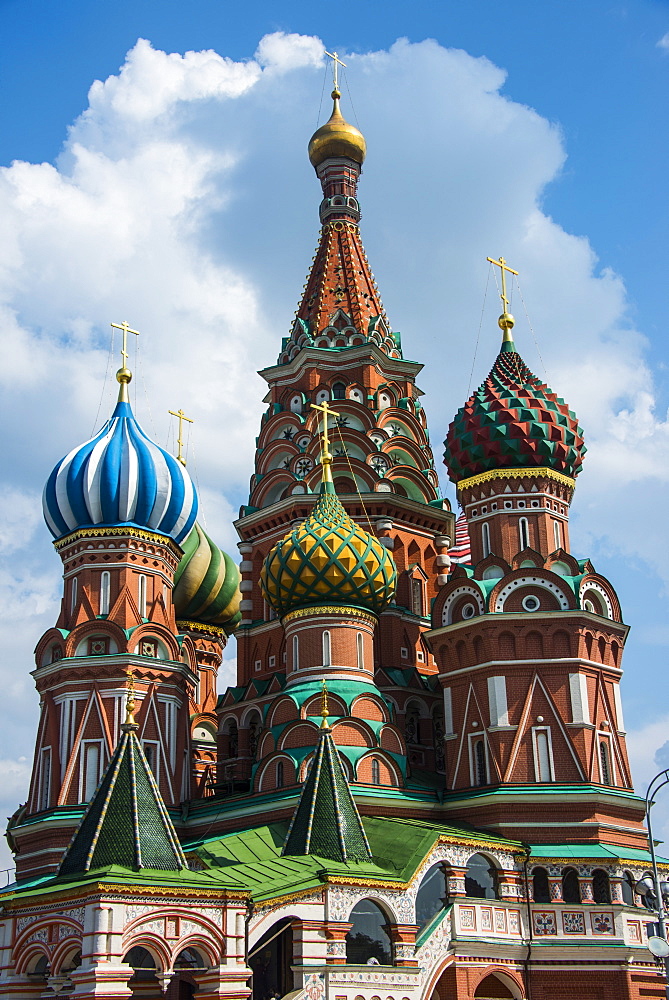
177	193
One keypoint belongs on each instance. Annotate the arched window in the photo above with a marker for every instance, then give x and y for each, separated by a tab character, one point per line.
105	586
480	878
571	889
432	895
493	987
601	887
279	774
417	597
376	771
557	534
605	763
480	763
296	652
189	958
233	738
368	937
339	390
485	539
542	755
524	533
73	595
627	887
141	595
326	649
541	892
360	651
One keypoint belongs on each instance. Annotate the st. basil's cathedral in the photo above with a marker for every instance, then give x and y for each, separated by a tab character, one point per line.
418	788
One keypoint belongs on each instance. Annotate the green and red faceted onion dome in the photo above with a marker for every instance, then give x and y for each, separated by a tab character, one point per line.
206	584
513	421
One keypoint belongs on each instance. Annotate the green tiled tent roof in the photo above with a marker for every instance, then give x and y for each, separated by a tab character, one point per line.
513	421
126	822
326	821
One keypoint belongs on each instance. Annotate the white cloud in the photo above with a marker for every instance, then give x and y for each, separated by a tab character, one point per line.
663	43
183	201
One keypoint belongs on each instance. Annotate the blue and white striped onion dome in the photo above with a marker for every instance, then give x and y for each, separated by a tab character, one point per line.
119	478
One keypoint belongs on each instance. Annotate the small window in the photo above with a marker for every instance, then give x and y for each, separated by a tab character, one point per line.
601	887
531	603
360	651
98	646
468	611
605	762
91	770
44	797
151	752
296	652
524	533
141	594
73	595
417	597
376	772
327	649
480	878
279	774
148	647
480	763
541	892
571	888
627	887
485	539
404	653
105	585
557	534
542	755
339	390
272	661
257	666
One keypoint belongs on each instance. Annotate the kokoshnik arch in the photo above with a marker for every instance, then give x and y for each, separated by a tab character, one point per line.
418	788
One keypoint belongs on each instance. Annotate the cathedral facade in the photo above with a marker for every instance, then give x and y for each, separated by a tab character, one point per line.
418	788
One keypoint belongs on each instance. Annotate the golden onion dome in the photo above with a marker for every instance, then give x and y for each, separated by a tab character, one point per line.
337	138
328	559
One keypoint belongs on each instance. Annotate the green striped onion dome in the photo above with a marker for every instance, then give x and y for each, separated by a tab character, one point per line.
328	559
206	584
513	421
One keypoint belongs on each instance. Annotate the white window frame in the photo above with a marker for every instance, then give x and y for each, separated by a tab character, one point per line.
105	591
44	782
485	539
74	587
87	782
473	775
580	707
257	666
171	729
360	650
523	533
448	712
535	752
141	595
605	737
557	533
497	701
296	652
155	752
327	649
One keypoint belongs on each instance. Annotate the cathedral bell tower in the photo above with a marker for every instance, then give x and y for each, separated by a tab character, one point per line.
529	638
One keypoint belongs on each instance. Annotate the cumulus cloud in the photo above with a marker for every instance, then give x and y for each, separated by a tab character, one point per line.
663	42
183	201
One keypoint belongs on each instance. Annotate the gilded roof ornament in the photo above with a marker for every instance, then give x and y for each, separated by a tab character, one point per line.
124	375
506	321
181	416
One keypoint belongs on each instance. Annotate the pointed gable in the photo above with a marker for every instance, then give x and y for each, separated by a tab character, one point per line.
126	822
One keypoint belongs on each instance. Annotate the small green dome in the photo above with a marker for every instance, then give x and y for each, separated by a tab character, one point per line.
328	559
206	584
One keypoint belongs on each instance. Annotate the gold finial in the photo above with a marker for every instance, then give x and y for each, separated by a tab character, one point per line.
506	321
130	700
336	63
325	711
124	375
182	416
326	457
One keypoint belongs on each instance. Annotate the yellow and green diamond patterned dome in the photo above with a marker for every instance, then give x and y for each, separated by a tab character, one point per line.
328	559
206	584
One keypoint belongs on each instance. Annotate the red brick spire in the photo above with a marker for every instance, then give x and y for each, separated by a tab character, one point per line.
341	306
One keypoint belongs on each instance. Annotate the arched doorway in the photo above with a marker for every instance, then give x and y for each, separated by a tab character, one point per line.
492	988
184	985
144	980
271	959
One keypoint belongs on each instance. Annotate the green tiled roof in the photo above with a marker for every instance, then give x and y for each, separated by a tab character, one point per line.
326	820
126	822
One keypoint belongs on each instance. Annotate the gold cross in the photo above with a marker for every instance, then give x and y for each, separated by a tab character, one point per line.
325	711
326	457
124	327
502	264
336	63
130	699
182	416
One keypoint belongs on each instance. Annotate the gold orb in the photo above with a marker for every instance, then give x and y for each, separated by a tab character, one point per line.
506	321
124	375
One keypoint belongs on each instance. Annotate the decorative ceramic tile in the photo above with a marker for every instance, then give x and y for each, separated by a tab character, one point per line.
573	922
467	918
544	922
500	921
634	931
514	921
314	985
602	923
486	918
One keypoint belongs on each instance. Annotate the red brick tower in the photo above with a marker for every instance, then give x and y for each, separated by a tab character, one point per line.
529	639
